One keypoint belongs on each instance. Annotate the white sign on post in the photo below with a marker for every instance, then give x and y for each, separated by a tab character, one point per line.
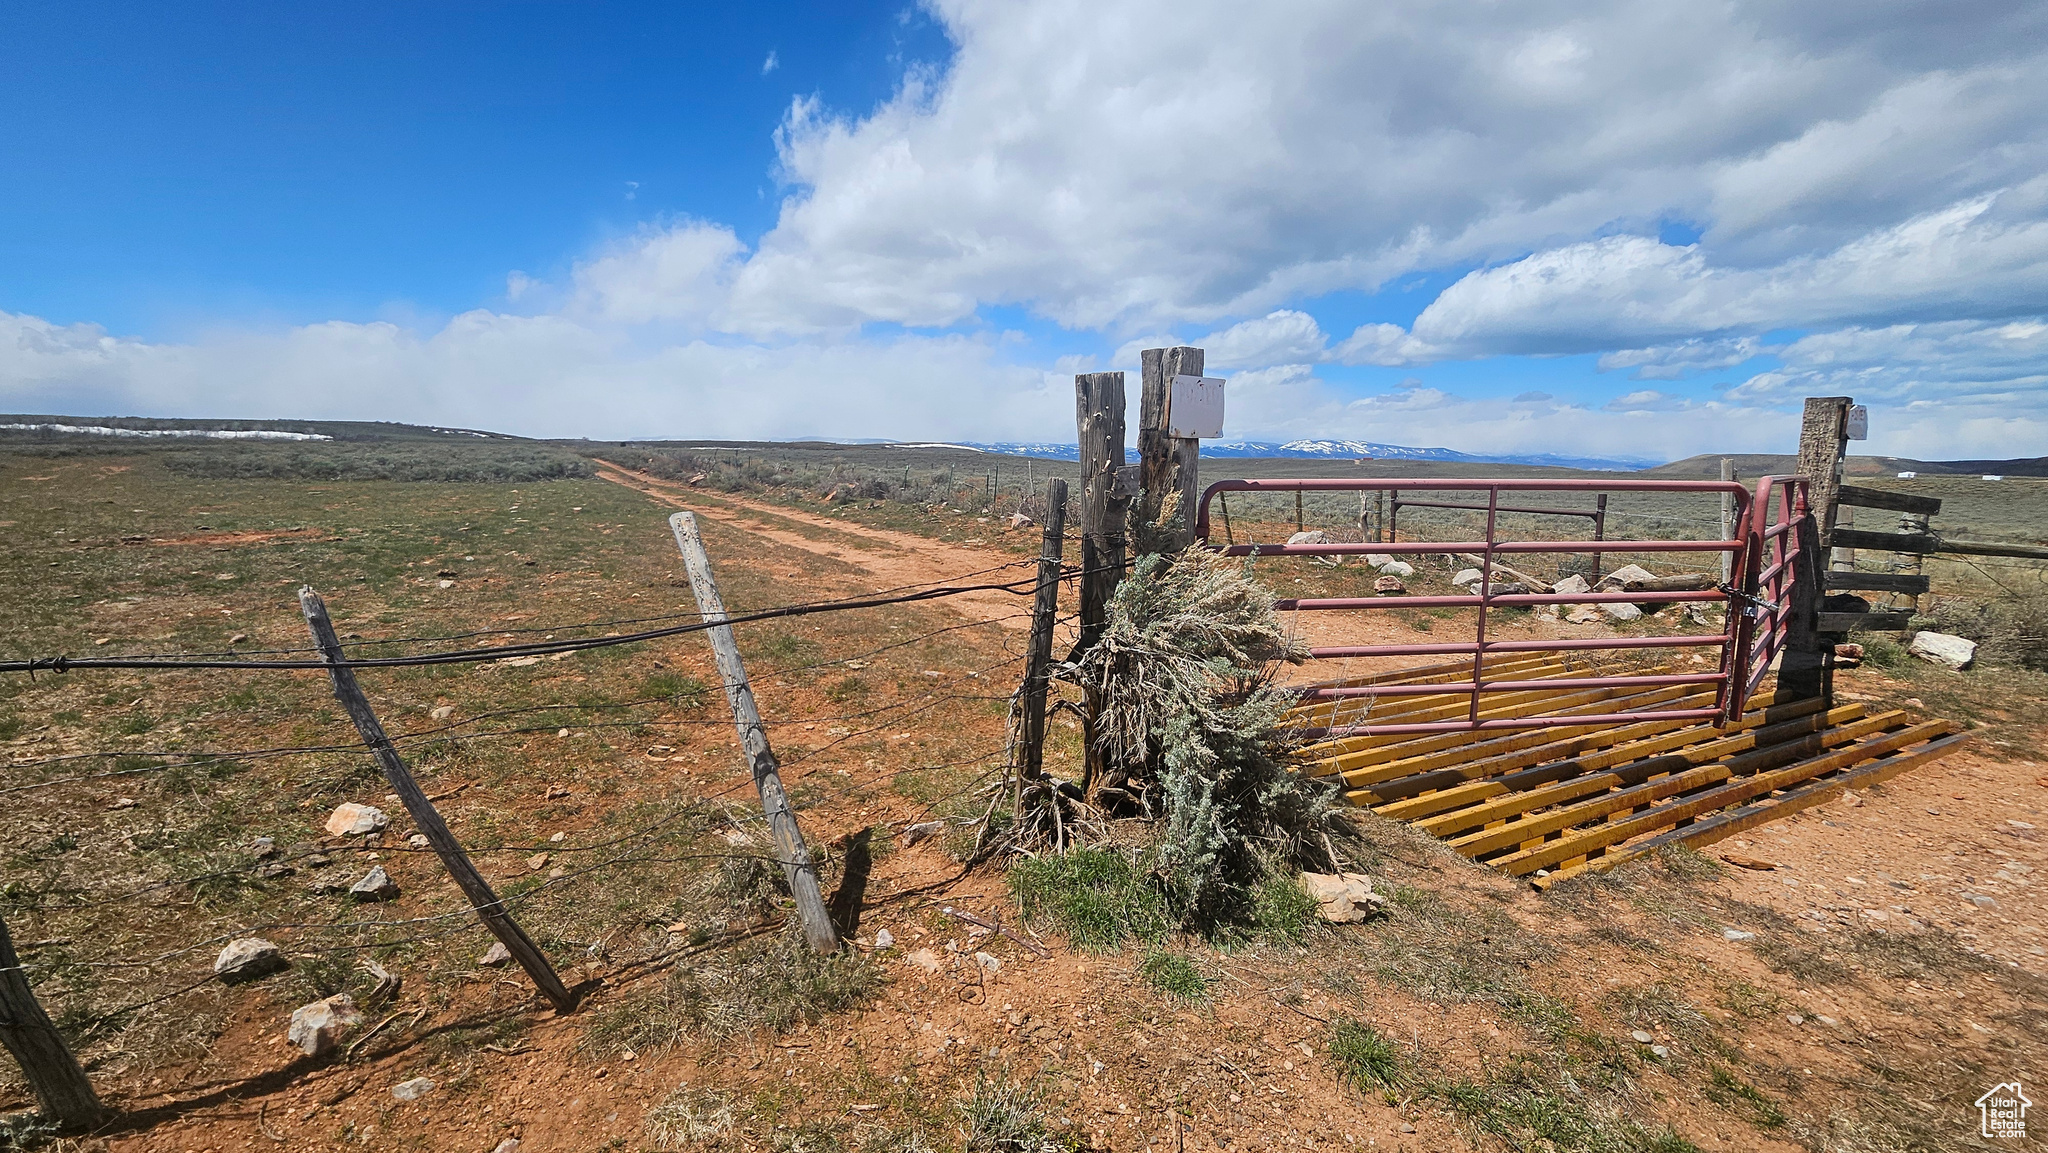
1194	407
1859	423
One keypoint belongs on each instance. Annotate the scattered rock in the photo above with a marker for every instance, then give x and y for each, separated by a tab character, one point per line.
326	888
695	480
1738	934
122	803
442	713
1312	536
912	834
239	638
315	1028
1397	568
418	841
445	584
412	1090
1641	1037
511	1144
1796	1018
1980	900
1343	898
1468	576
1019	520
376	885
273	871
1848	656
989	961
1507	589
263	848
1944	649
247	959
1660	1052
1621	611
1619	578
353	820
884	938
1581	614
495	956
1376	559
537	862
1387	586
924	959
1407	1128
1574	583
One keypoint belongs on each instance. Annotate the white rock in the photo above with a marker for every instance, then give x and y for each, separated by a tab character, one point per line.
1574	583
1621	611
884	938
912	834
1399	568
419	841
1660	1051
316	1027
1943	649
1738	934
412	1090
495	956
1642	1037
246	960
1621	576
1376	559
1468	576
989	961
511	1144
1312	536
376	885
1019	520
1343	898
923	959
442	713
353	820
1581	614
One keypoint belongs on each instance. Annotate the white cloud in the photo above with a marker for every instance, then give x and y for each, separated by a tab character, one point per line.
1677	361
771	64
1282	337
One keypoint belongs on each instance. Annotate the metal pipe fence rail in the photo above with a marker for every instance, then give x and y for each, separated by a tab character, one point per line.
1721	678
1775	524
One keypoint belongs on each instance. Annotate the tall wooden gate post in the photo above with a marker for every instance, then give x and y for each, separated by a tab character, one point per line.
489	908
788	837
1727	520
60	1085
1044	612
1823	440
1807	669
1107	486
1169	466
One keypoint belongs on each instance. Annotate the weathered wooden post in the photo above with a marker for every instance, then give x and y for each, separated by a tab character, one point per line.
1807	668
787	836
1599	531
60	1085
1044	612
1106	490
1823	440
489	908
1170	465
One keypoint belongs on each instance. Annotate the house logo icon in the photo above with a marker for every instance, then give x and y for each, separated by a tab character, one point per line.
2004	1110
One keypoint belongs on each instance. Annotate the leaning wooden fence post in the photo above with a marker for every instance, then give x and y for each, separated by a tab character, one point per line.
59	1083
489	908
1106	490
782	827
1044	612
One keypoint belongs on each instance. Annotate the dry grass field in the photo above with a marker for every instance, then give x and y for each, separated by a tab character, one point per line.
1856	996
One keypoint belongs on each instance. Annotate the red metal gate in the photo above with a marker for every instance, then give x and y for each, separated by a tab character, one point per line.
1730	678
1778	524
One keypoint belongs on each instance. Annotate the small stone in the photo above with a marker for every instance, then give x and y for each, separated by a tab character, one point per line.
1376	559
1312	536
315	1028
239	638
1980	900
1019	520
558	838
247	959
1642	1037
1848	656
912	834
1389	586
1581	614
1738	934
924	959
1660	1051
537	862
1830	1022
1468	576
263	847
495	956
376	885
418	841
1407	1128
412	1090
326	888
511	1144
1343	898
1397	568
1796	1018
884	938
273	871
1621	611
443	713
1574	583
353	820
446	584
1619	578
122	803
1943	649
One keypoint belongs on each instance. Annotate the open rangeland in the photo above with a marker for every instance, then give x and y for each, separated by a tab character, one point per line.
1852	981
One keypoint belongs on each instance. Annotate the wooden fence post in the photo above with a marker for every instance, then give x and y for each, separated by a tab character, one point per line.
1106	491
1170	466
60	1085
1044	612
489	908
1727	520
788	837
1823	438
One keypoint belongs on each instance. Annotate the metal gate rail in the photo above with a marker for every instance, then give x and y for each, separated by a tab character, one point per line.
1730	669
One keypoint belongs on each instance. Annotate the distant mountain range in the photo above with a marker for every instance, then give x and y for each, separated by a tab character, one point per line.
1319	450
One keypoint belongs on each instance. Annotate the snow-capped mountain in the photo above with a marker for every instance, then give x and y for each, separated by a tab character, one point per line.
1324	450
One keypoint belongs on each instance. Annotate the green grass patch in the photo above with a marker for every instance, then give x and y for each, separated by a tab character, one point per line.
1724	1088
1100	899
1365	1058
1176	976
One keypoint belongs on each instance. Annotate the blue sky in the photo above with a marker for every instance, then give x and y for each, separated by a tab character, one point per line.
1639	229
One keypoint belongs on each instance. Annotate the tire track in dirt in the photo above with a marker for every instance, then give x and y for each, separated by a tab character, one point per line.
892	559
